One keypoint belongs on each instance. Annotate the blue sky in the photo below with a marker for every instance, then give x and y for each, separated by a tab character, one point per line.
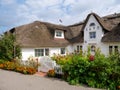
18	12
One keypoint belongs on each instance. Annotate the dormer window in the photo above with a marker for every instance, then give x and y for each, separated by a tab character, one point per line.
59	34
92	24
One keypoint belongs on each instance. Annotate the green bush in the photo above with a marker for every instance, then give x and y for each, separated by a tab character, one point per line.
102	72
8	48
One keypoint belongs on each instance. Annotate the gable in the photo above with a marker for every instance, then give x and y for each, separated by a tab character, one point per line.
89	23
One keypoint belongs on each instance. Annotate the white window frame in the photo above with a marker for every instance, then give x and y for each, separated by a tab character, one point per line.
79	48
43	53
92	35
59	34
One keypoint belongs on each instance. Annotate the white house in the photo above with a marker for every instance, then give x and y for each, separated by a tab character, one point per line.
39	39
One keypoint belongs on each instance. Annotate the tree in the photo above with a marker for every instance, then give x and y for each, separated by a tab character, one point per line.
8	48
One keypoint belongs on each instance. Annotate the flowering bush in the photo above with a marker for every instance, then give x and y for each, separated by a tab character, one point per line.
102	72
18	68
51	73
91	57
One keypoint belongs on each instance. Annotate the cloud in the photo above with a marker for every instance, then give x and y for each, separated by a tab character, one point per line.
18	12
7	2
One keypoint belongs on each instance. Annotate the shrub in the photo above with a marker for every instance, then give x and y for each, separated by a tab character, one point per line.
8	48
99	72
51	73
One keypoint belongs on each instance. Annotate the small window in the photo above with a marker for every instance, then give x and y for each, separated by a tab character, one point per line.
59	34
110	49
92	48
89	28
46	52
39	52
92	24
92	35
62	51
93	27
116	49
79	48
97	27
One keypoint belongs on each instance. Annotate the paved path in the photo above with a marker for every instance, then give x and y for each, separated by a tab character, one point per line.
16	81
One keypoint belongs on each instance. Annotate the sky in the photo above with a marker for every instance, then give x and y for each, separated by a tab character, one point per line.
14	13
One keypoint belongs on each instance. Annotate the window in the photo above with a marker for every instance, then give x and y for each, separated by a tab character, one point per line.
41	52
93	27
92	24
113	50
110	49
62	51
79	48
116	49
59	34
92	48
97	27
92	35
89	28
46	52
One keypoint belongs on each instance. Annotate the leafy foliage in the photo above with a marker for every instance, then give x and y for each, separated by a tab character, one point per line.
102	72
8	48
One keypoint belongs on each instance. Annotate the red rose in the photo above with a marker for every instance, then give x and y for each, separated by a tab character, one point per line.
91	58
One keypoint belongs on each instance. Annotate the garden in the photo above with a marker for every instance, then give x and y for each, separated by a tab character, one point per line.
29	67
95	71
10	53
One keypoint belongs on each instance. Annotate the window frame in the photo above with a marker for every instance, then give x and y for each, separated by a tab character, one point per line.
92	24
79	48
62	51
41	52
92	35
59	34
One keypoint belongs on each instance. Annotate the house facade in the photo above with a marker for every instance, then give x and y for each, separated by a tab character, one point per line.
39	39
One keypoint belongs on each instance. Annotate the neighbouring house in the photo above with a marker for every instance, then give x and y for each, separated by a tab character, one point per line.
39	39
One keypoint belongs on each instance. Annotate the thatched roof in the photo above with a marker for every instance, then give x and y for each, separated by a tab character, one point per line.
108	23
112	36
41	34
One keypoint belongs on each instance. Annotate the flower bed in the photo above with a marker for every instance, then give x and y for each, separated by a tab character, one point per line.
12	66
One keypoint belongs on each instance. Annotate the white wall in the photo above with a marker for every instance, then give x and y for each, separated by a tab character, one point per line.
26	53
99	33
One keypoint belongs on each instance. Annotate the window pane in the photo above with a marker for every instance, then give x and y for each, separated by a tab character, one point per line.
58	33
62	50
92	35
92	48
39	52
110	49
92	24
78	48
46	52
116	49
81	48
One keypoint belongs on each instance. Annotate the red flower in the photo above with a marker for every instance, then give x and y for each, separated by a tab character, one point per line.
91	58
